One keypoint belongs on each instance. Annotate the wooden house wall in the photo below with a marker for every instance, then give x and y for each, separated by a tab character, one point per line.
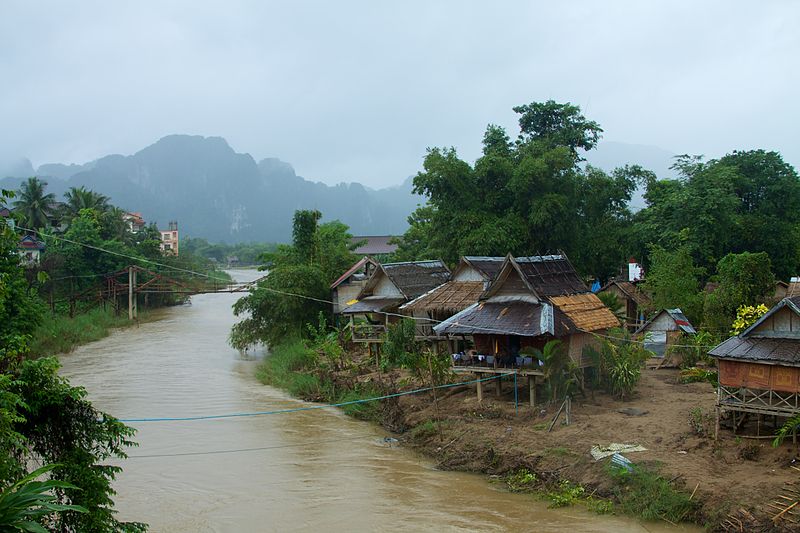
385	287
577	343
783	321
344	293
512	286
759	376
467	273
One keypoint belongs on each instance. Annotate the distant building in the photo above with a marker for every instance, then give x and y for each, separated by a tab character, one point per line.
30	250
134	221
169	239
634	302
374	245
664	329
346	289
5	214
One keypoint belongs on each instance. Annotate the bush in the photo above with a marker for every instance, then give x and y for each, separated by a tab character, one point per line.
645	494
283	368
693	349
399	344
618	363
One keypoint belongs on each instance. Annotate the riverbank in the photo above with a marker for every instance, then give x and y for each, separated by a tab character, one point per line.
684	475
58	333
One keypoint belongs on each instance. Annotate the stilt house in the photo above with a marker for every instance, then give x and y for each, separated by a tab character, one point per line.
532	300
349	285
390	286
759	369
635	303
468	282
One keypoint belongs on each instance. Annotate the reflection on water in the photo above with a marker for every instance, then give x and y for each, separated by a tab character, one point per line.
299	471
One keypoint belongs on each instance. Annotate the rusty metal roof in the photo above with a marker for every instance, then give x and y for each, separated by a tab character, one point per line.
551	275
759	350
452	297
415	278
586	311
353	269
516	318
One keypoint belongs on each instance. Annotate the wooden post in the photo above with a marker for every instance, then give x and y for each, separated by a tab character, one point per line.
479	389
716	426
130	293
532	390
135	298
499	384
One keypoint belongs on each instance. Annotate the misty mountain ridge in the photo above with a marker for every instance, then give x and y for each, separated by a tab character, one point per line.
224	196
218	194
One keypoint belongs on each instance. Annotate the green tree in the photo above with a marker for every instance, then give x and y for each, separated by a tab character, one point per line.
296	290
33	205
675	281
79	198
744	280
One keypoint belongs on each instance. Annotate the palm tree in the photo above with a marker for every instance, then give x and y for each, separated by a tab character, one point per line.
34	207
82	198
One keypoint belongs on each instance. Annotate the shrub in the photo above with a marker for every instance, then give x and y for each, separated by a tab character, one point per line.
521	480
645	494
618	363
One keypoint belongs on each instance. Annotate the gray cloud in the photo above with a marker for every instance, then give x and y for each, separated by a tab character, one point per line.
358	90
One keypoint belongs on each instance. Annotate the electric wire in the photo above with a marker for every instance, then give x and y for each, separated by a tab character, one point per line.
319	300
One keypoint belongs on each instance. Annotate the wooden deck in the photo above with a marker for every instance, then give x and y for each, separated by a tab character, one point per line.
530	373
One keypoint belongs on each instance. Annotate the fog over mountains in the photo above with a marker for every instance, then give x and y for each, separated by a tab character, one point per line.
218	194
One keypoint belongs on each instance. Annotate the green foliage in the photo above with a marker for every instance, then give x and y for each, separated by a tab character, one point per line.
561	374
702	423
60	334
645	494
674	280
693	349
289	366
618	363
246	253
521	480
790	427
744	280
566	495
399	344
524	197
296	290
746	316
699	375
27	504
33	207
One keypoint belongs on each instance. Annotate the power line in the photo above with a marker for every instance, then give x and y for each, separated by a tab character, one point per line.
319	300
306	408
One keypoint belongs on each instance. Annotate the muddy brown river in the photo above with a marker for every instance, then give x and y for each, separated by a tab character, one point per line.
307	471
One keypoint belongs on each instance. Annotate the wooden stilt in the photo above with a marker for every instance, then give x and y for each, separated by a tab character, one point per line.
479	388
499	385
532	390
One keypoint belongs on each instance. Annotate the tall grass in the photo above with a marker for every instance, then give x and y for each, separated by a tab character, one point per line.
647	495
287	366
61	334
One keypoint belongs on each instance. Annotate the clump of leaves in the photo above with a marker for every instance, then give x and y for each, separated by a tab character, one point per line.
746	316
699	375
26	503
566	494
521	480
693	349
789	428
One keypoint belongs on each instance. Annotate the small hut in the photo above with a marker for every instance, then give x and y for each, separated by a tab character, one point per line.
389	286
759	369
663	330
634	301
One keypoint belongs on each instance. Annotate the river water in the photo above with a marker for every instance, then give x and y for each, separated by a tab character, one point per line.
305	471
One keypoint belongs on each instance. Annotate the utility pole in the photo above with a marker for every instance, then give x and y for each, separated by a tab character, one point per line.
132	311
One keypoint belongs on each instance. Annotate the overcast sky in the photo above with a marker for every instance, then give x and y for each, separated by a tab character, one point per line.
355	91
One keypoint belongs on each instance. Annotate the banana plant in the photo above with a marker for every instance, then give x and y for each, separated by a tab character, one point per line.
28	502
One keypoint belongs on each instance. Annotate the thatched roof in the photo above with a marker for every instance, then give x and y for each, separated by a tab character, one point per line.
449	297
551	275
586	311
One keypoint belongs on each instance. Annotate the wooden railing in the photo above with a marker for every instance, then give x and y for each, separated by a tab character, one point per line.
368	332
758	400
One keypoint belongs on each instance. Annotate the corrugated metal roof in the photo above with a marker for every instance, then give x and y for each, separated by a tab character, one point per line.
415	278
676	315
488	266
372	304
551	275
586	311
516	318
451	297
770	351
